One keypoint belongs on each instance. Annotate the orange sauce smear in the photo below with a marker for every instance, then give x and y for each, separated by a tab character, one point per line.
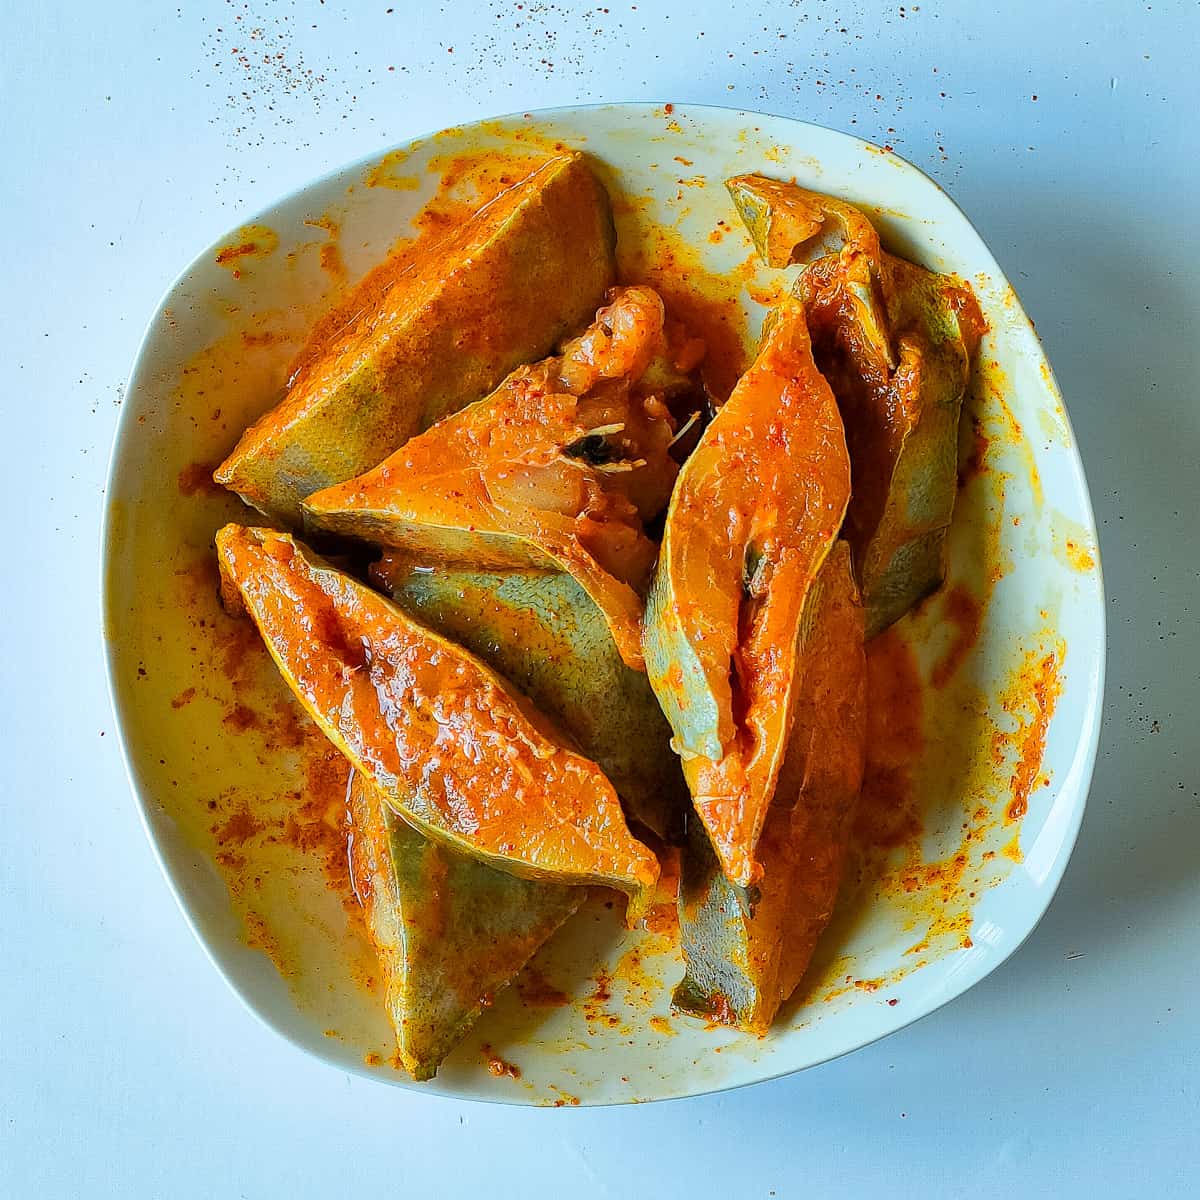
466	183
316	824
330	252
596	1005
975	462
253	241
709	306
888	859
662	917
888	815
1079	556
964	615
258	838
1032	703
197	477
536	991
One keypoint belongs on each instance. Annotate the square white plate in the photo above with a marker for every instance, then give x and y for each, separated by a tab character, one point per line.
912	932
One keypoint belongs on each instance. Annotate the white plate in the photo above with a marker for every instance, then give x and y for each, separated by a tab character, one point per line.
1023	533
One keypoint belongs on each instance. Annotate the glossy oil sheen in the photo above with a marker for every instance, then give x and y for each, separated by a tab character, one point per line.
543	634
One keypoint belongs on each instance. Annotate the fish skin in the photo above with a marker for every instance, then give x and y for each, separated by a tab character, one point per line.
450	932
899	542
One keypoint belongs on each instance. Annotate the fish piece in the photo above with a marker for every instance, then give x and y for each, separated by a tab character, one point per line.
789	224
450	932
747	950
559	468
544	635
755	511
896	342
455	750
419	338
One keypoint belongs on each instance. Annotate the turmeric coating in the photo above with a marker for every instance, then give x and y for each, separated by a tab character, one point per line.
747	951
756	510
453	748
561	467
424	335
896	343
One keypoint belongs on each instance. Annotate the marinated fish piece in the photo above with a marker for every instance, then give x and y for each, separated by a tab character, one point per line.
543	634
559	468
896	342
756	510
789	224
450	932
901	423
747	950
419	339
453	748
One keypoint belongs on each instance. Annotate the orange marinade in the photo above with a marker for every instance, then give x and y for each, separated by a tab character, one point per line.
472	758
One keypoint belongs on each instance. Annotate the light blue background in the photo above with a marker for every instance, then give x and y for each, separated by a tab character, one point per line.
131	136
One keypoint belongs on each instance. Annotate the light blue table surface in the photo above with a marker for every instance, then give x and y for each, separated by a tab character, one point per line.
131	135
